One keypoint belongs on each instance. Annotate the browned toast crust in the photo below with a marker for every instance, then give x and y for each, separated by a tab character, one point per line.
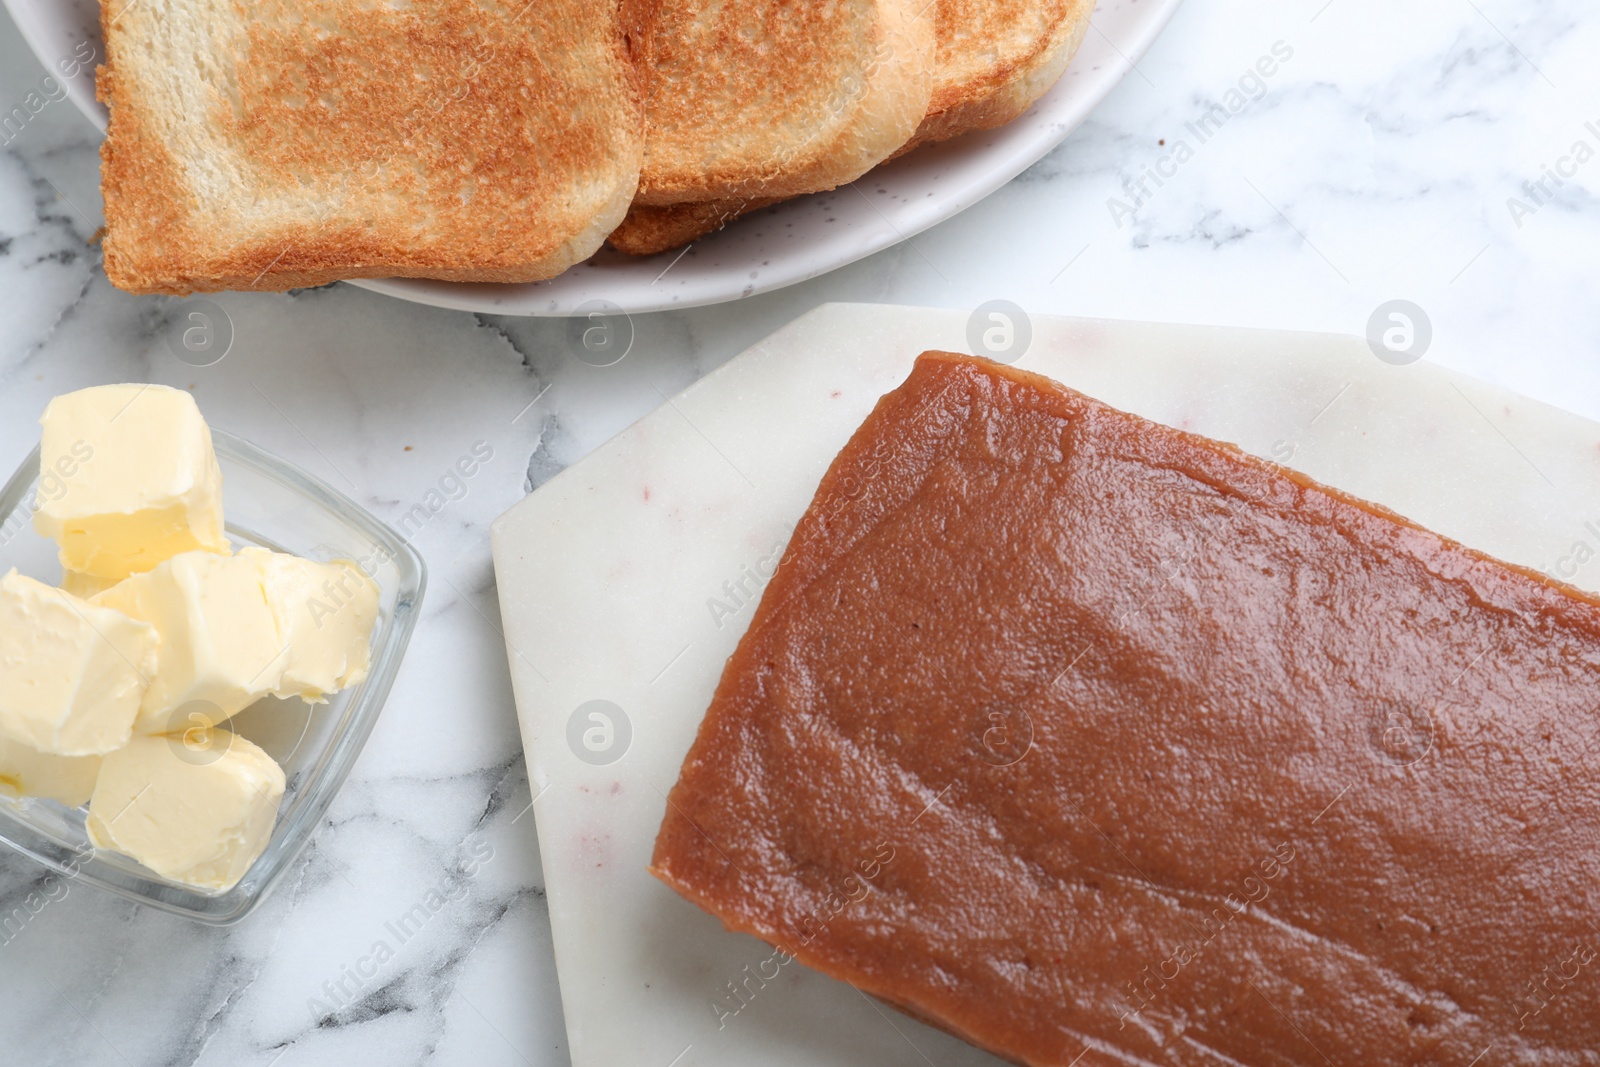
647	230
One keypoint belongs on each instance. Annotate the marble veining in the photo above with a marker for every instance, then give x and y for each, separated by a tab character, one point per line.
1384	158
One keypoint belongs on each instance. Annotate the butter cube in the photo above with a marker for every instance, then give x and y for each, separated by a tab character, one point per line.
196	807
221	647
73	674
128	479
84	586
27	772
326	612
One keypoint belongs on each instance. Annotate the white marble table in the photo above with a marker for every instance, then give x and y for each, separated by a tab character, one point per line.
1377	164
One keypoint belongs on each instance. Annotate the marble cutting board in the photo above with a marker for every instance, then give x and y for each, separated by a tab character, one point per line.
626	582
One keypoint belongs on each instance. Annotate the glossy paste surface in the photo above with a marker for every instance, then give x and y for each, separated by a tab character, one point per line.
1096	742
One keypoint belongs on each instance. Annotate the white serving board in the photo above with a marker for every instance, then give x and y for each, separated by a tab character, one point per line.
607	573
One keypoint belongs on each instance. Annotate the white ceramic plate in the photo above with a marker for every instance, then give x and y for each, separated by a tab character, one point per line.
780	246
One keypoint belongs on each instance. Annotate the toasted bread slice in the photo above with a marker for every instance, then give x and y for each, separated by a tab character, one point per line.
995	58
648	230
282	144
773	98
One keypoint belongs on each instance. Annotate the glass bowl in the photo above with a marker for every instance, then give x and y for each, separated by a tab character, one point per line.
274	504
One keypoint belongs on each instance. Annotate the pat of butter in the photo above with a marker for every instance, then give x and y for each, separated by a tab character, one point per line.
196	807
73	674
85	586
326	612
221	645
128	478
27	772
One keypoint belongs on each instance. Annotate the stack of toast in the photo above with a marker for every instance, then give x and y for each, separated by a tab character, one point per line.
990	60
505	140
